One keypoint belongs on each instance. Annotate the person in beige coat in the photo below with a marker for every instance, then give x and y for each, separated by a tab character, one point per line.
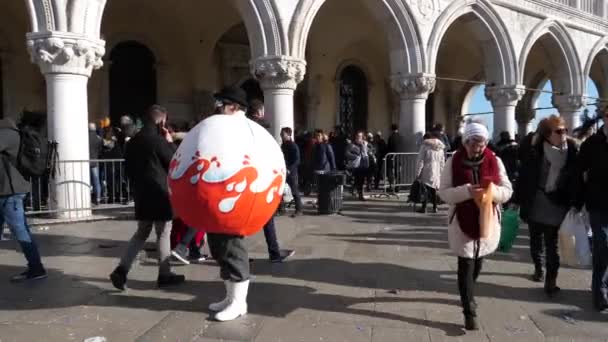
429	165
470	173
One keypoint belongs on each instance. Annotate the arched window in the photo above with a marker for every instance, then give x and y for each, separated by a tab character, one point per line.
132	80
353	99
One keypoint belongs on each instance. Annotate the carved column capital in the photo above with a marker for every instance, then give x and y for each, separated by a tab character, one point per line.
504	96
278	72
417	86
569	103
65	53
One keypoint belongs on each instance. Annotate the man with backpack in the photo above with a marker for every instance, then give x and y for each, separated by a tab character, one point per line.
13	189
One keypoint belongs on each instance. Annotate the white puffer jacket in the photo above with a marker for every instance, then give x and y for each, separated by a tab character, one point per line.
462	245
430	162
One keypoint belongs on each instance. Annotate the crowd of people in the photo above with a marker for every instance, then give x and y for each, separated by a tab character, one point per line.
545	175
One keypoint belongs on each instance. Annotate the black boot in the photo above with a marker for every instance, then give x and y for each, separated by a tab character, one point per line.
470	322
119	278
551	288
170	279
539	275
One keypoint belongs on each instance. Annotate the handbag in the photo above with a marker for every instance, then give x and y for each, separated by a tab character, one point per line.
509	230
418	192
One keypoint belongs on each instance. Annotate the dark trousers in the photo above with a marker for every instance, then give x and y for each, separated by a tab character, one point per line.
270	233
431	196
599	286
468	272
359	175
292	181
548	235
231	254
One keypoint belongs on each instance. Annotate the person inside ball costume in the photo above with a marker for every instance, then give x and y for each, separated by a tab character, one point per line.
230	251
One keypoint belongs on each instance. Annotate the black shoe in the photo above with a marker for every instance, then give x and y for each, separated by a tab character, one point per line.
285	254
170	280
197	259
297	213
538	276
551	288
29	275
470	322
119	278
421	210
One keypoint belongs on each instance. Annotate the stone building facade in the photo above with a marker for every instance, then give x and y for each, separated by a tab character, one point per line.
363	64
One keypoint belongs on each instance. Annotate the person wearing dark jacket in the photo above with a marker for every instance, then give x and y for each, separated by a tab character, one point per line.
380	148
147	164
291	152
592	171
13	188
95	147
395	145
508	151
323	154
544	192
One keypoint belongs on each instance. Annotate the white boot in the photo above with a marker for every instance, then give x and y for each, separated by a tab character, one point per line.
219	306
238	302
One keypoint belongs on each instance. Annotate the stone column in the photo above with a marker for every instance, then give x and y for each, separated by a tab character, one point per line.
413	92
504	100
67	60
569	107
279	76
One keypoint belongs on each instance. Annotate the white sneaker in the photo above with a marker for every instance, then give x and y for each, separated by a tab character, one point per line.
238	302
219	306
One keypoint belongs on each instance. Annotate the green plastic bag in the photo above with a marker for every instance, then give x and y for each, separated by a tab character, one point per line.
510	228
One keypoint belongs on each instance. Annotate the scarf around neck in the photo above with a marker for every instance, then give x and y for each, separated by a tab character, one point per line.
557	158
465	171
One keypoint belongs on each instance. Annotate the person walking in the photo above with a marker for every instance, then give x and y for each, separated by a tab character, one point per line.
373	162
429	165
544	192
147	159
13	189
463	185
357	160
95	147
291	152
380	147
592	174
508	151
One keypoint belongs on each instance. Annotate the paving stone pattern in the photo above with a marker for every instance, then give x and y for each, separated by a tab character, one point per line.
377	273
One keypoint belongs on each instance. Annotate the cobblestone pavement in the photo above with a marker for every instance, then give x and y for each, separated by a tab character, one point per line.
377	273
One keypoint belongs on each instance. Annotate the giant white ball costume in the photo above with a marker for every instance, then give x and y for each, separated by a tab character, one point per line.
227	176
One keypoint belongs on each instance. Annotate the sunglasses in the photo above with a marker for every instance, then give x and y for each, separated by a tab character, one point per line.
561	131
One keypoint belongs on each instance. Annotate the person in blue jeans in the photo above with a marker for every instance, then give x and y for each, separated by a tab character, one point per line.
13	188
95	147
592	166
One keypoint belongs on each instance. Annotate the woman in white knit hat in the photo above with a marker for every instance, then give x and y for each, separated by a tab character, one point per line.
467	176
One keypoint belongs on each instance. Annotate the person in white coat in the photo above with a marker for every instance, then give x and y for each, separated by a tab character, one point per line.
461	183
429	165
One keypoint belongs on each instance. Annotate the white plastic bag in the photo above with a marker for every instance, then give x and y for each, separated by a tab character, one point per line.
575	228
287	194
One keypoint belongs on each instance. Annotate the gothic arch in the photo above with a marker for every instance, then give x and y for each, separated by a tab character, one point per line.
600	48
116	39
564	54
267	36
76	16
492	27
403	33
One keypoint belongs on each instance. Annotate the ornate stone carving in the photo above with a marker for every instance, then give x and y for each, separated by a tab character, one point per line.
413	86
504	96
65	53
278	72
569	103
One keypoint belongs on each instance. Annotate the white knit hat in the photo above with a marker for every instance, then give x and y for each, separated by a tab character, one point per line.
474	129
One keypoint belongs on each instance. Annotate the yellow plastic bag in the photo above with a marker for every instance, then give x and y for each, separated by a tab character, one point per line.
567	249
485	202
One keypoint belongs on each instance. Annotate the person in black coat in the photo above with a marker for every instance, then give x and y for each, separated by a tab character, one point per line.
95	147
323	154
592	171
291	152
147	164
545	193
395	144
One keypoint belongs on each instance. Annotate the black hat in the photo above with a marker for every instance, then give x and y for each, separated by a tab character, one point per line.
232	94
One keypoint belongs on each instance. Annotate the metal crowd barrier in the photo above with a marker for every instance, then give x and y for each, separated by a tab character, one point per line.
72	189
399	171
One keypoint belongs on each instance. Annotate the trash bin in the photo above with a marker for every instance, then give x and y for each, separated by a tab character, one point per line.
330	186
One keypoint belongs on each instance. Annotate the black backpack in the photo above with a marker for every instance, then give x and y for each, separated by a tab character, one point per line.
34	158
